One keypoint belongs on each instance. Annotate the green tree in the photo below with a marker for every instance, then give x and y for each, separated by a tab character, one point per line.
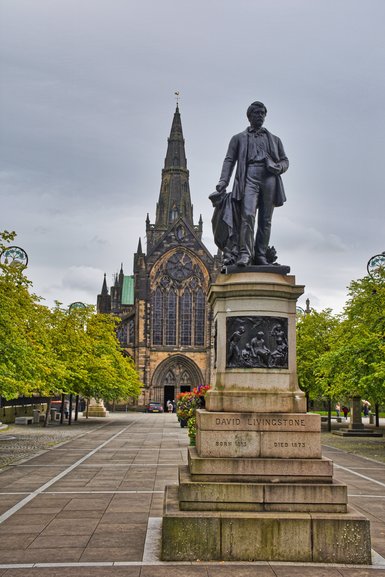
112	375
26	359
356	360
57	351
314	334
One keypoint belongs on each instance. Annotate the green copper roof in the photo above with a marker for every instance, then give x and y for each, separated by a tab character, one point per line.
128	290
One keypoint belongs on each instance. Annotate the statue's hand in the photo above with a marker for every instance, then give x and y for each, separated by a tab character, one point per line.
273	167
221	186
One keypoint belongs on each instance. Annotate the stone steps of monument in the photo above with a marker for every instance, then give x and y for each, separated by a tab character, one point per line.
97	412
300	497
317	537
259	470
359	433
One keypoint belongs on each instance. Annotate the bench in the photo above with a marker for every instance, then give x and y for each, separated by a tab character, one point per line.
324	419
23	420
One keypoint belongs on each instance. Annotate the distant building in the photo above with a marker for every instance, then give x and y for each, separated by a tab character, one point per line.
166	320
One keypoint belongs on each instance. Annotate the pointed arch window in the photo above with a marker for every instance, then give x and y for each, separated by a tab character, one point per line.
178	305
185	317
170	378
173	213
171	318
199	324
185	379
157	317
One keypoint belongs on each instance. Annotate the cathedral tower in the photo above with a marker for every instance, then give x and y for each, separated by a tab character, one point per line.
167	330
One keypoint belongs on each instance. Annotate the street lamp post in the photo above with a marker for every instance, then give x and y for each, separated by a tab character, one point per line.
14	256
72	307
376	265
375	268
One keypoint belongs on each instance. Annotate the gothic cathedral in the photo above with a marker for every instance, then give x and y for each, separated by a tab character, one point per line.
166	319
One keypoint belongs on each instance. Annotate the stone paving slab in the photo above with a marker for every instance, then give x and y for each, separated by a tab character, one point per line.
96	515
73	572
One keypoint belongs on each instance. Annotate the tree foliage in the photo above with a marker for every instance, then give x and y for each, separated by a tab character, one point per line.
344	356
57	351
356	360
314	334
26	358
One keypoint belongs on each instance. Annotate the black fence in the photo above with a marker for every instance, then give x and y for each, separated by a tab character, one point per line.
21	401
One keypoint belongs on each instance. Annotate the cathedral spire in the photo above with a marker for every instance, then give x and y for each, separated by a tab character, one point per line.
174	197
104	287
104	299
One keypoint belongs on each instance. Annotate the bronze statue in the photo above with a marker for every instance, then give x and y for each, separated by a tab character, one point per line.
260	160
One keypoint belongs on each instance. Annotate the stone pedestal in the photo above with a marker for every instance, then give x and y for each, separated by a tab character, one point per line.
356	427
256	486
97	408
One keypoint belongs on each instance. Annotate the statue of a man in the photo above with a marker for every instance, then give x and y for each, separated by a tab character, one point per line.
260	160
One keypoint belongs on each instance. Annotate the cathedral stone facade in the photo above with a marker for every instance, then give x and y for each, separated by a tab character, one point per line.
166	320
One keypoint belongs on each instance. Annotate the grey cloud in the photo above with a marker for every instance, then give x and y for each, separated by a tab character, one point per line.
86	108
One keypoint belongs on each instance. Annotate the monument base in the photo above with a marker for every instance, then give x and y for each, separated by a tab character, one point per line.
270	268
249	401
256	487
263	536
96	409
357	433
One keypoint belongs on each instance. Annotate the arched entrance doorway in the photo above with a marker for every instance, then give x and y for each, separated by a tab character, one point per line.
177	374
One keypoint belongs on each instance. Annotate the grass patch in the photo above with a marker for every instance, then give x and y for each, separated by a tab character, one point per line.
364	447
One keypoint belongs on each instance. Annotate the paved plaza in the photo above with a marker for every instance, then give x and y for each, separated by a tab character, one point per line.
92	506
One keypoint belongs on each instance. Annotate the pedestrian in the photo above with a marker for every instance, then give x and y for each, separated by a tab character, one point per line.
169	406
345	411
338	409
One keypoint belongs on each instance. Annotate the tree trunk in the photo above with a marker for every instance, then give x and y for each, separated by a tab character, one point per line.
377	409
70	410
87	405
76	407
63	398
329	414
47	413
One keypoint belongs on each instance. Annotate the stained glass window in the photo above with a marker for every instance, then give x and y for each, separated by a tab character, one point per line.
131	331
122	334
171	318
157	317
199	327
185	318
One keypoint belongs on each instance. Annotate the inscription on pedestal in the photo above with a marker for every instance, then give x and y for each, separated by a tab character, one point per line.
276	422
257	444
268	435
257	342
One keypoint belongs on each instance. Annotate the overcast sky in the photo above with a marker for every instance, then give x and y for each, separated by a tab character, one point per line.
87	100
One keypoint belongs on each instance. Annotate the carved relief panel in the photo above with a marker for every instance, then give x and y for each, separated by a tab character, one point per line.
259	342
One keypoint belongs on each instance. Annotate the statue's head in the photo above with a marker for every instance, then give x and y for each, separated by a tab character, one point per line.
256	114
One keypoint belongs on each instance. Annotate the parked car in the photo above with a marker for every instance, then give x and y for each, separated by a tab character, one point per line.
154	408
